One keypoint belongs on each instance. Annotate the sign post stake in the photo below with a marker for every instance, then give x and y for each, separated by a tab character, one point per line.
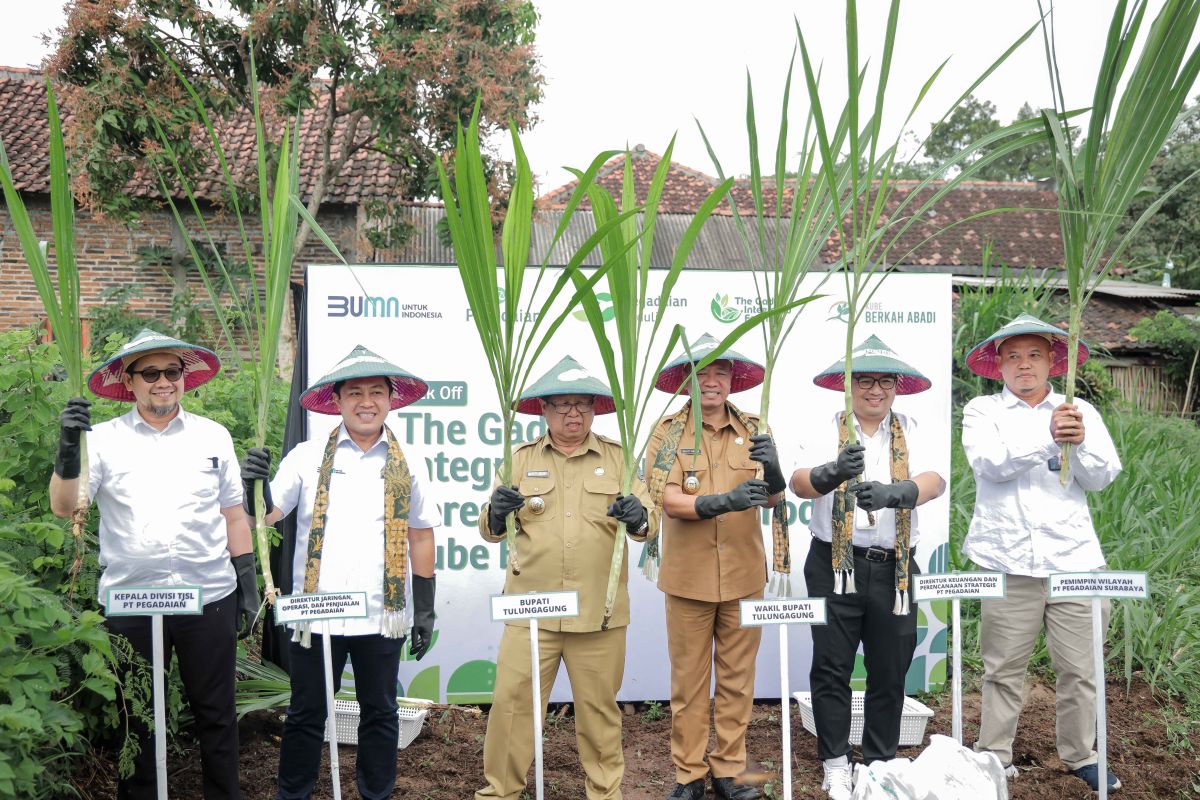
957	586
785	698
1101	716
160	703
536	661
532	607
335	775
313	608
782	612
956	688
155	602
1098	585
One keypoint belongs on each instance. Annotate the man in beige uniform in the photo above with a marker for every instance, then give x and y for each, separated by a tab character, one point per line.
568	503
712	559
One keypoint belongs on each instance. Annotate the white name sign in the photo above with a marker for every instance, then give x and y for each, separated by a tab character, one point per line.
140	600
783	611
961	585
539	605
320	605
1099	584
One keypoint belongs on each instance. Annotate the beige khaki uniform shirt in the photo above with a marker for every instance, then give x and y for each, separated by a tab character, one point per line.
569	545
718	559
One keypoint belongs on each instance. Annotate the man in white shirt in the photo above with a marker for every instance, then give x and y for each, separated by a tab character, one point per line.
170	495
1027	524
860	558
362	515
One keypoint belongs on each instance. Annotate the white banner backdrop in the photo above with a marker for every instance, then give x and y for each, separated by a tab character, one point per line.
418	317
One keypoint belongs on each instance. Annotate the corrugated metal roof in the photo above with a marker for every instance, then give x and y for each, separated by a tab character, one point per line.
1114	288
717	247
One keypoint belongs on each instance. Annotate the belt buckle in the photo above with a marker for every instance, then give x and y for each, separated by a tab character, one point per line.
876	554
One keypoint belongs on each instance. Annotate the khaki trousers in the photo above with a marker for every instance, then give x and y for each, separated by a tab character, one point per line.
699	635
1007	635
596	666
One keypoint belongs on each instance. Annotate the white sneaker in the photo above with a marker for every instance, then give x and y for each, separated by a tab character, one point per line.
1010	771
837	781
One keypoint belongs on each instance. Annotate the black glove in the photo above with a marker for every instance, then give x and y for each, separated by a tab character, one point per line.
628	509
505	500
764	452
873	495
256	466
75	419
745	495
423	590
247	592
850	462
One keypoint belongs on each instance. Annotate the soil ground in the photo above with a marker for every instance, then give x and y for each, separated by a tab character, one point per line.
1153	747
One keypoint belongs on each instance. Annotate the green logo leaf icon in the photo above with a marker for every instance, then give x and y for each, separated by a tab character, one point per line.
721	310
607	312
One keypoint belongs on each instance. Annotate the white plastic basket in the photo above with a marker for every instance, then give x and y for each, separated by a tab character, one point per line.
411	714
912	720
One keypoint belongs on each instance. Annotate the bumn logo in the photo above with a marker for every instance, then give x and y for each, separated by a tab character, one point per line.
722	310
346	306
606	308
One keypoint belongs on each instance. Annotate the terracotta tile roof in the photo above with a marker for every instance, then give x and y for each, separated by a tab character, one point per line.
25	131
1026	236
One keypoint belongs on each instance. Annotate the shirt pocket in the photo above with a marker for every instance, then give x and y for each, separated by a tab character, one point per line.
742	466
544	489
599	492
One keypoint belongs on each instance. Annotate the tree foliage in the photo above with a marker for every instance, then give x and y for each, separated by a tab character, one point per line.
1174	232
390	76
970	121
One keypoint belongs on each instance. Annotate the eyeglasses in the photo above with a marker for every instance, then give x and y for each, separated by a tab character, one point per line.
582	406
152	374
865	382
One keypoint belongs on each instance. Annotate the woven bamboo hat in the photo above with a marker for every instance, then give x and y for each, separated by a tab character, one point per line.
362	363
746	373
984	358
200	365
874	356
566	377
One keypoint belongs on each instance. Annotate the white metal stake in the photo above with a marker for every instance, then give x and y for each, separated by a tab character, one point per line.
956	687
335	776
785	697
537	705
1101	721
160	704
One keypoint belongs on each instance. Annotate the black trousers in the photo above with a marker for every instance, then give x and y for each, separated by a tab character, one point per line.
888	642
207	648
376	660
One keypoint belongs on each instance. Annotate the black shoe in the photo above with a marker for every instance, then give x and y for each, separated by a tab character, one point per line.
688	791
726	788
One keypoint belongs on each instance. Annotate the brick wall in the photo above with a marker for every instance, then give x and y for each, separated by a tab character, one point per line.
107	254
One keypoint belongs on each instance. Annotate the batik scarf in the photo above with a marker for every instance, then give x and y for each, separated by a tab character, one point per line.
664	460
843	522
397	486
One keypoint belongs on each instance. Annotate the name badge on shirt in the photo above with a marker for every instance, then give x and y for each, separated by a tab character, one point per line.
689	451
1054	464
212	462
538	473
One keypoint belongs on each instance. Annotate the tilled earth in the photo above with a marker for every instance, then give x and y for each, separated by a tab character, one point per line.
1153	748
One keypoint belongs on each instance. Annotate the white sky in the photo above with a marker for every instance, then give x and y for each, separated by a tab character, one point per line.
637	71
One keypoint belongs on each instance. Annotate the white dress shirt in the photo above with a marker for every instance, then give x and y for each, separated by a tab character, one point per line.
160	495
1026	522
820	447
352	556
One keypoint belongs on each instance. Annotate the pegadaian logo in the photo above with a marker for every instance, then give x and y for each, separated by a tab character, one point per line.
722	310
606	308
377	306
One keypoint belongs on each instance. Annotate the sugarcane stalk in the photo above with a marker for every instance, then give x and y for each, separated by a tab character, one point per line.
510	521
618	555
1073	329
79	515
262	541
